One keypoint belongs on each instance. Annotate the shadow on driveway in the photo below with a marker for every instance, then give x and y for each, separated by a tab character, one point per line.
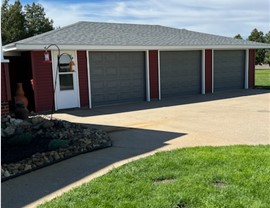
166	102
127	144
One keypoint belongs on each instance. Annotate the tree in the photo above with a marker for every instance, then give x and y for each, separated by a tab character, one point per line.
267	37
267	54
238	36
36	22
258	37
12	22
267	58
17	24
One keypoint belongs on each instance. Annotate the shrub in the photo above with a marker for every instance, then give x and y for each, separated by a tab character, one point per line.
57	143
20	139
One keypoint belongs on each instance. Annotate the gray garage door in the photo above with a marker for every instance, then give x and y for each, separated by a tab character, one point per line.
229	70
180	73
117	77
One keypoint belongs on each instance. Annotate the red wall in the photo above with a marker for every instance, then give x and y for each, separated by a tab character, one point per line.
43	82
208	71
5	89
153	73
5	83
83	78
251	69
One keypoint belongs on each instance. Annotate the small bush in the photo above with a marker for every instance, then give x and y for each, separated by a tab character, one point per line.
57	143
20	139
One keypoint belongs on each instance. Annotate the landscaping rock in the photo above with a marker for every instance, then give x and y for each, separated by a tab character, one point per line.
6	174
9	131
37	119
27	167
48	124
16	122
66	140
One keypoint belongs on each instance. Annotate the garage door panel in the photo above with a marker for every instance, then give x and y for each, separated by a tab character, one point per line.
96	59
110	71
180	73
118	78
108	57
112	84
98	85
229	70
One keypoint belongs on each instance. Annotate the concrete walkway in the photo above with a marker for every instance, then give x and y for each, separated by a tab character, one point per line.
138	130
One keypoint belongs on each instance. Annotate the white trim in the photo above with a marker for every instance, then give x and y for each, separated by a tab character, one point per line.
147	76
213	70
12	53
159	83
19	46
246	69
54	54
4	61
89	82
54	70
77	77
203	71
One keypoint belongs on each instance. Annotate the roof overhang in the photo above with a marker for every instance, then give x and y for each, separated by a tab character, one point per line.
23	47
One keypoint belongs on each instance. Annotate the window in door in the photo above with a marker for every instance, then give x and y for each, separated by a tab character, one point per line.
65	74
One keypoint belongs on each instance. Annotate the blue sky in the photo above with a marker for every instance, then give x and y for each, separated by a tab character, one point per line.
221	17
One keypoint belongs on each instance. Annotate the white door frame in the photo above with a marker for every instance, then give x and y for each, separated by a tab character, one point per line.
55	73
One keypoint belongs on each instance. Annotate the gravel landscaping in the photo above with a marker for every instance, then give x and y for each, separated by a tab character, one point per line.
27	145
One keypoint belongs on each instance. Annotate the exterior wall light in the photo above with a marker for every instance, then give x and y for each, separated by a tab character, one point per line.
47	57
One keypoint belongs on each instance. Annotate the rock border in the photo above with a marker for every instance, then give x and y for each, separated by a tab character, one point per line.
3	179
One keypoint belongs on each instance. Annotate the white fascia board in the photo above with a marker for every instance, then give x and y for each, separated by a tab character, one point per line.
21	47
10	49
4	61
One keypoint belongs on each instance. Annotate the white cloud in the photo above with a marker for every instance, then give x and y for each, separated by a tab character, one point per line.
222	17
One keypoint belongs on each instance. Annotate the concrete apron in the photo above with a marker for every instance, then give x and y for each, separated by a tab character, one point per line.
139	130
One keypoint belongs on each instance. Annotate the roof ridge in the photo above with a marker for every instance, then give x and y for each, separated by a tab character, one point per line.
118	23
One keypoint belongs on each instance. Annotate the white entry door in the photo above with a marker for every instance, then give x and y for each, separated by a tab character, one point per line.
65	80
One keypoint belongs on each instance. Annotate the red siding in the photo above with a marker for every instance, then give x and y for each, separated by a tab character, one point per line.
5	89
83	78
43	82
153	73
251	69
208	71
5	83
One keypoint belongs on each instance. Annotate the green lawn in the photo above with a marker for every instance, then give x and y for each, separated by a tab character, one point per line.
262	77
235	176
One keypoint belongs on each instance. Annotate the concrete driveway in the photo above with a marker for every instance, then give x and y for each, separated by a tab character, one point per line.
237	117
138	130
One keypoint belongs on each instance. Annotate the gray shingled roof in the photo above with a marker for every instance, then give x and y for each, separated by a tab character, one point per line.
115	34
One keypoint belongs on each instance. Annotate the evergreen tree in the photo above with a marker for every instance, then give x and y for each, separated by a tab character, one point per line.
17	24
267	37
238	36
12	22
258	37
267	54
36	22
